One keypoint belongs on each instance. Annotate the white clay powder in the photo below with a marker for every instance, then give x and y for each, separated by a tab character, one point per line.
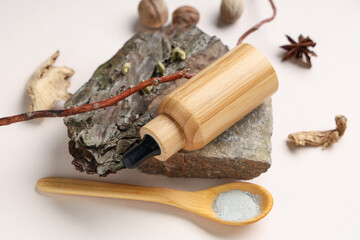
236	205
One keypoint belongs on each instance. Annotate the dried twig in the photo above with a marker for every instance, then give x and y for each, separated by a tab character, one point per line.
320	138
96	105
257	26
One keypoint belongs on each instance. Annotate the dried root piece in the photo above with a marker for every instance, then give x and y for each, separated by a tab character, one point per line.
48	84
320	138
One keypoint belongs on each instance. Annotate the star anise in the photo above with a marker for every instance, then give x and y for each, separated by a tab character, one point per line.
299	50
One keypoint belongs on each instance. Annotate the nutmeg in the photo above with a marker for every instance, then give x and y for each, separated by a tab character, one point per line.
153	13
186	15
231	10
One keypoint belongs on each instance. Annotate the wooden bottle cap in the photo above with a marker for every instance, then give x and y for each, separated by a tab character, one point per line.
167	133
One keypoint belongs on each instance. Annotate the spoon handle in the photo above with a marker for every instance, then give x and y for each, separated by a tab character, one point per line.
103	189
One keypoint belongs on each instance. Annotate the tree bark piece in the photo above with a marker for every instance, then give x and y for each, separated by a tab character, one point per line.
98	139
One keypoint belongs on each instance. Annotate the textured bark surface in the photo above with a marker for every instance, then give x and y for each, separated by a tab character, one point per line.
98	139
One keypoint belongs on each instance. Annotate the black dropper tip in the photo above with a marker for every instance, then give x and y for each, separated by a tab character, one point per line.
148	147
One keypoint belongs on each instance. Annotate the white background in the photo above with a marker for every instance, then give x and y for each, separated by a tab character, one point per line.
316	192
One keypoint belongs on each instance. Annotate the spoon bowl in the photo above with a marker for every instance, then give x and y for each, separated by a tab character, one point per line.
199	202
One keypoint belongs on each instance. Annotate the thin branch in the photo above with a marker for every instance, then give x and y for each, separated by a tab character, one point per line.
96	105
257	26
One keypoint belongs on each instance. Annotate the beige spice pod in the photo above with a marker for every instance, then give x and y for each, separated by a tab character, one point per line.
213	100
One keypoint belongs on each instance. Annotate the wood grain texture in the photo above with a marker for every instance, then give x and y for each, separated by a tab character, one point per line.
168	133
219	96
198	202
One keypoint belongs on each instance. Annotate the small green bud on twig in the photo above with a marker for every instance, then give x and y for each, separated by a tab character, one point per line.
125	68
160	67
148	89
178	53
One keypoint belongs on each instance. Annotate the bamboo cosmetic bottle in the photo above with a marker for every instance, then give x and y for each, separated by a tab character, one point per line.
206	105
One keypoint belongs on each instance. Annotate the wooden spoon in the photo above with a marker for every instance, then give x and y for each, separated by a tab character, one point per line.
199	202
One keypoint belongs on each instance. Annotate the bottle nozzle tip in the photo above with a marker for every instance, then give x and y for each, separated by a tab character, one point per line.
147	148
